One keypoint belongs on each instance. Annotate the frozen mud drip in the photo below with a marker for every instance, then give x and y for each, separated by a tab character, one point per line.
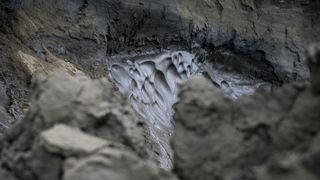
151	83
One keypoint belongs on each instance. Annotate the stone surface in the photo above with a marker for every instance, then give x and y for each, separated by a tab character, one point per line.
266	39
243	46
33	65
5	118
116	165
265	136
262	48
75	117
314	64
4	99
285	167
277	29
68	140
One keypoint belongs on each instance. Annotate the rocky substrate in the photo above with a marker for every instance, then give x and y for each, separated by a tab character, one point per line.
72	124
266	136
78	128
261	42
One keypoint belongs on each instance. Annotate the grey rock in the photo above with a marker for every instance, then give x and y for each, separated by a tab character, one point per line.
311	160
99	110
260	43
314	64
218	138
75	117
287	166
6	174
4	99
4	119
4	102
256	30
266	39
65	140
116	165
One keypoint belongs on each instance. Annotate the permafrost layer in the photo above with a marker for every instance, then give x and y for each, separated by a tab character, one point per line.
235	85
151	83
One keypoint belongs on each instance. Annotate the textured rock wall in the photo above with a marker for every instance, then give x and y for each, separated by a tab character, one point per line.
268	36
79	128
88	131
265	136
243	46
277	30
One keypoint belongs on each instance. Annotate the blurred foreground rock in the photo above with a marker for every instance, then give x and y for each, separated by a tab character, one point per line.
26	67
314	64
266	136
78	128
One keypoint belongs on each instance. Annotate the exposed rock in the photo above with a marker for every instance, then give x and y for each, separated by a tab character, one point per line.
314	64
278	29
265	40
4	119
312	158
285	167
4	102
265	136
4	99
33	65
116	165
243	46
6	174
239	75
75	117
68	140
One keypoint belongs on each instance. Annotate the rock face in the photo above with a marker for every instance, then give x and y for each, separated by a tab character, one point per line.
272	31
314	64
242	46
88	131
69	141
265	39
78	128
4	102
266	136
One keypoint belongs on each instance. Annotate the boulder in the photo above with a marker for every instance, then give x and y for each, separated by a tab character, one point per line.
218	138
84	129
115	164
5	118
314	65
69	141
